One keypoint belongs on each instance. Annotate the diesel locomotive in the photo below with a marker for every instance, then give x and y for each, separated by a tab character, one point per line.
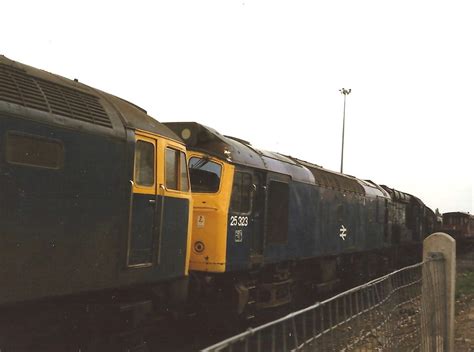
270	229
95	201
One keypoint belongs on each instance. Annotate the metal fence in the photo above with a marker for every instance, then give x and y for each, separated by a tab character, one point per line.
402	311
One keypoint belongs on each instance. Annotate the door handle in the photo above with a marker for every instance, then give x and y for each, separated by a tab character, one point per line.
152	201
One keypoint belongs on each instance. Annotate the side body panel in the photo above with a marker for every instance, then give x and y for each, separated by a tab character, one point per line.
321	222
61	228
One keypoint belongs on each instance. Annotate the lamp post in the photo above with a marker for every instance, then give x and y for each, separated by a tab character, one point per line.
344	92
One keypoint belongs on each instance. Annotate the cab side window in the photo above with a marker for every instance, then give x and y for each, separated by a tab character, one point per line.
205	175
176	170
241	193
144	164
172	168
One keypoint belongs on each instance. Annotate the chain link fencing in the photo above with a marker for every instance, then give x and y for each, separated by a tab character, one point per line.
402	311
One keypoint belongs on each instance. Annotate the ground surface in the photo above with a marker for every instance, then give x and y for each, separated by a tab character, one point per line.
464	335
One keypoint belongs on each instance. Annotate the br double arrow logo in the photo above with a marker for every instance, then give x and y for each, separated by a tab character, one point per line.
343	232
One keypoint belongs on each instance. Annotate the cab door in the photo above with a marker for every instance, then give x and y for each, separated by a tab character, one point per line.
174	210
143	203
246	214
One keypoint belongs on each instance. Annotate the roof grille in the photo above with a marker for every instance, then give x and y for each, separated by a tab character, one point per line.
20	88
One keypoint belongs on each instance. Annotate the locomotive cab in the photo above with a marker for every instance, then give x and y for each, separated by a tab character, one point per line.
228	215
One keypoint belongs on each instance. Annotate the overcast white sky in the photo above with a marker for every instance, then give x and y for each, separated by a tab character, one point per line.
269	72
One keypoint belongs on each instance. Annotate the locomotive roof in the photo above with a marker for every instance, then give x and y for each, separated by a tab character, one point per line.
202	138
331	179
234	150
404	197
373	189
458	213
401	196
36	94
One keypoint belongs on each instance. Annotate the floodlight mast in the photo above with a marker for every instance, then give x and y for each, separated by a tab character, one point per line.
344	92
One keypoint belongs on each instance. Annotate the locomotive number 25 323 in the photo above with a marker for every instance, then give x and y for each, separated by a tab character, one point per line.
239	220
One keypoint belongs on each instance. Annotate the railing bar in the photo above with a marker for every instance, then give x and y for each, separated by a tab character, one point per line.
331	326
357	315
259	341
273	338
322	328
374	313
366	301
380	309
304	327
295	333
348	313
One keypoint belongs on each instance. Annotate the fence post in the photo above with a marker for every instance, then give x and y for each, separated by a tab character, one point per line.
438	290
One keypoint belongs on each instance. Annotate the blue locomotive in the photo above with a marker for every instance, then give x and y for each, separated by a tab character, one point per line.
270	229
95	201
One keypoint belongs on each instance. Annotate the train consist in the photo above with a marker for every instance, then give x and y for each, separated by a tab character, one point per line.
95	203
97	214
270	229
